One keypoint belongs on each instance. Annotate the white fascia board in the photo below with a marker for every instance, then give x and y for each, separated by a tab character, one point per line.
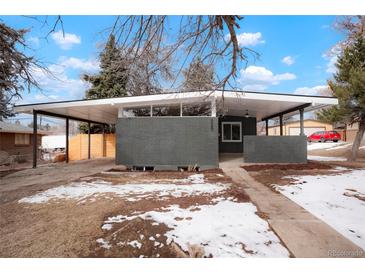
278	97
176	98
168	98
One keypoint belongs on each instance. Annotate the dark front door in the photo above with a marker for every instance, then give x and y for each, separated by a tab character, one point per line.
232	130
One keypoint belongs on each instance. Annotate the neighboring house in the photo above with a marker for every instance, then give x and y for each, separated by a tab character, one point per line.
16	140
164	131
293	127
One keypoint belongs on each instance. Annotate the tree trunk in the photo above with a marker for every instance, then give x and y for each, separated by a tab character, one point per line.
357	141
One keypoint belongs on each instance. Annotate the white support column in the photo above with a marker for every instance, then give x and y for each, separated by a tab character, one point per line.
120	112
301	114
214	107
181	109
151	110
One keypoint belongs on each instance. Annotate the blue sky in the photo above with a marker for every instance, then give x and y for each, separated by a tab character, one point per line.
292	48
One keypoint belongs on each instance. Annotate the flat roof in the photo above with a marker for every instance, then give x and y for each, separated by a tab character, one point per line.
257	104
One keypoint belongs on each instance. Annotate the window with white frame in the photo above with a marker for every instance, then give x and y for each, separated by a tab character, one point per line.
231	132
22	139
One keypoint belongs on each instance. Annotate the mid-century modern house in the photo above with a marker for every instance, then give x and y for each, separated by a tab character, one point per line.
164	131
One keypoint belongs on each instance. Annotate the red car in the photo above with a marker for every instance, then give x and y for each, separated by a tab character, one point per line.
324	136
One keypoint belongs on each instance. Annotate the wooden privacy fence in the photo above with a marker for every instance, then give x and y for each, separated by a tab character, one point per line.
101	145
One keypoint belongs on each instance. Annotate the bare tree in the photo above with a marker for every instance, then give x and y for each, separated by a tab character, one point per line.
198	76
16	67
200	37
146	73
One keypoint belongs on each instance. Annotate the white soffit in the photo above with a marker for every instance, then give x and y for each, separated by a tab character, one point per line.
258	104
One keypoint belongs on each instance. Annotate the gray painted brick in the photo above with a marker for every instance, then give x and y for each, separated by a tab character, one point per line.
275	149
167	142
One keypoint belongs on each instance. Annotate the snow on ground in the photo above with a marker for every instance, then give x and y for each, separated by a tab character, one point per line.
131	192
326	159
226	229
327	145
103	243
135	243
334	199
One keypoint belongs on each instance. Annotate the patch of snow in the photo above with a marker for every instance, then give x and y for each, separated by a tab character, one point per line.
220	175
156	243
151	238
103	243
326	196
141	236
107	226
326	159
226	229
157	235
85	190
327	145
340	168
196	178
135	244
120	243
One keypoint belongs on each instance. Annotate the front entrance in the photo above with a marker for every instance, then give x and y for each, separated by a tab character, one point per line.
232	130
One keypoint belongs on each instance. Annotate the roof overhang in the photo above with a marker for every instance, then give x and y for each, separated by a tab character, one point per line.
236	103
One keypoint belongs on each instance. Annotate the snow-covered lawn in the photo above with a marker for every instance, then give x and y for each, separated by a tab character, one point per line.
225	229
87	191
336	199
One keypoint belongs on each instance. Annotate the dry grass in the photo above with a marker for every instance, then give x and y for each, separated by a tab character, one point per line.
65	228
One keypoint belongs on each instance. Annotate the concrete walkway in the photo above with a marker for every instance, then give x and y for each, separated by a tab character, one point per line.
302	233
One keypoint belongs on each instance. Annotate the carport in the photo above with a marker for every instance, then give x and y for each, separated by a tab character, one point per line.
138	142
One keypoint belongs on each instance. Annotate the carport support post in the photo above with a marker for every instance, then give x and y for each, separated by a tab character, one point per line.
281	125
88	142
104	154
35	141
267	127
67	133
301	114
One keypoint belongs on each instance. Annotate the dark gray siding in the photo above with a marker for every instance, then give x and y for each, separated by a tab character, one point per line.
167	142
248	128
275	149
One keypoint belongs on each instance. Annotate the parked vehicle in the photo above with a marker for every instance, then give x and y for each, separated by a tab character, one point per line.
324	136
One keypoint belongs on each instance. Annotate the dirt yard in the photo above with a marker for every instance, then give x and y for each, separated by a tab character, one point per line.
131	214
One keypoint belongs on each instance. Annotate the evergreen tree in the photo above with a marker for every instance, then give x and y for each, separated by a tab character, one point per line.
111	81
198	76
348	86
